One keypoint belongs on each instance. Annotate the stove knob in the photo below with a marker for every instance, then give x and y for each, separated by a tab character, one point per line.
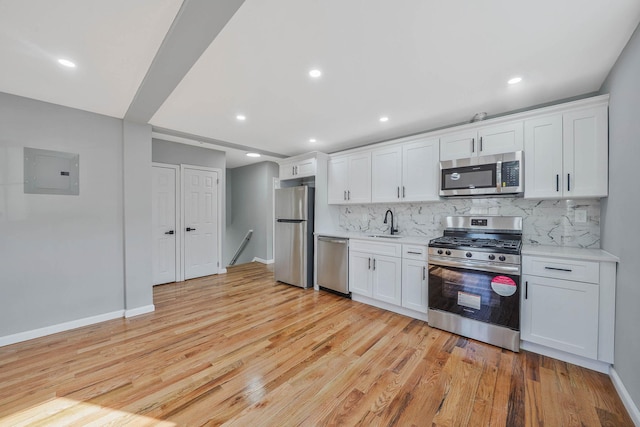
439	251
468	254
492	257
502	258
448	252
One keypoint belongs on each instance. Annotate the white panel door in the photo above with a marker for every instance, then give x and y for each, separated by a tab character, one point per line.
458	145
337	177
163	220
421	171
360	273
543	157
500	139
585	156
414	285
200	195
387	279
359	178
386	175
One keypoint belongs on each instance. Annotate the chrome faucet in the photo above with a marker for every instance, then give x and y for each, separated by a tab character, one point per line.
393	230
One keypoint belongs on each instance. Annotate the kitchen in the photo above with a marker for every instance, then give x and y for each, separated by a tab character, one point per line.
611	218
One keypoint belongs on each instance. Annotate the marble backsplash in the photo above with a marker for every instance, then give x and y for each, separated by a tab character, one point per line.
545	222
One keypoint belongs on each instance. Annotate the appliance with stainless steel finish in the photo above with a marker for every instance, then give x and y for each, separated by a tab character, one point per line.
474	279
333	264
293	239
501	174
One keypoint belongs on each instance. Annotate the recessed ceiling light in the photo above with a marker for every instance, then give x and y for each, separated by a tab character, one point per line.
312	140
384	119
241	117
66	63
515	80
253	155
315	73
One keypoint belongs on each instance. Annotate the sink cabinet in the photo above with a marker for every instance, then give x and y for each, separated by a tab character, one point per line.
375	270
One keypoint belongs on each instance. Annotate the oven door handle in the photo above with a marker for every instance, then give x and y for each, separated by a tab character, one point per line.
506	269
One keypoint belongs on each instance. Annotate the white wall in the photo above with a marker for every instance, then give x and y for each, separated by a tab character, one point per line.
620	222
61	257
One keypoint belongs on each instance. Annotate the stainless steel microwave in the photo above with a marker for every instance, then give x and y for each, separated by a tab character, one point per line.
502	174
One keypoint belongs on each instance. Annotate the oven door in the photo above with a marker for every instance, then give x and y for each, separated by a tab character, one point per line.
473	292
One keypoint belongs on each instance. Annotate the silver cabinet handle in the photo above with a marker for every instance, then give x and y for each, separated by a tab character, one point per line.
369	268
415	253
398	192
480	143
403	192
348	194
568	182
424	273
568	270
293	170
557	182
473	145
526	290
345	195
374	264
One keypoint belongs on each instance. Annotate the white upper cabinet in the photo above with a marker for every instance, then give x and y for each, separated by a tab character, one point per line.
298	168
386	174
349	179
566	154
483	141
585	152
406	172
543	157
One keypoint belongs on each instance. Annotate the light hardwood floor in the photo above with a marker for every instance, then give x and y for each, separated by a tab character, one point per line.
240	349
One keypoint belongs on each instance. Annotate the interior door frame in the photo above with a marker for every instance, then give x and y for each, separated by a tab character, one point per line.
182	214
178	215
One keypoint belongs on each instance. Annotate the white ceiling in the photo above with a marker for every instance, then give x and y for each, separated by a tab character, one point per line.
422	63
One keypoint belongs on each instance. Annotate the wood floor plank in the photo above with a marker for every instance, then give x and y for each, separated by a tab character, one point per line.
241	349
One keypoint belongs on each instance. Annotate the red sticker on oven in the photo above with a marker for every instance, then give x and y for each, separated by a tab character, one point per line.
503	286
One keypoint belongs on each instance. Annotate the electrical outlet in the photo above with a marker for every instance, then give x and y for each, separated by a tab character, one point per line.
581	215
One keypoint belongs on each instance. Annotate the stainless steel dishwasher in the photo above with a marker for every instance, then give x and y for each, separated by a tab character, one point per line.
333	264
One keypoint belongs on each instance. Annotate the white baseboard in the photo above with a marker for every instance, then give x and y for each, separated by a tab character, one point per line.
61	327
263	261
390	307
594	365
633	410
222	271
140	310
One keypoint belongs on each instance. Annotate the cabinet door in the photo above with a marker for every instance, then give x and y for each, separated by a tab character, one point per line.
360	264
337	175
414	285
359	178
387	279
561	314
287	170
585	157
420	170
305	168
386	174
458	145
505	138
543	157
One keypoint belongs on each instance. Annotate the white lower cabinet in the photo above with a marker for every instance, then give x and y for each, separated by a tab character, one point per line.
392	273
375	270
568	303
561	314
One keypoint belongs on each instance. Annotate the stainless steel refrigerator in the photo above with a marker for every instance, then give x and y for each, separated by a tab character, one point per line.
293	238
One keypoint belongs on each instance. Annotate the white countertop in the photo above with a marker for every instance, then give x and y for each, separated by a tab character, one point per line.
411	240
569	253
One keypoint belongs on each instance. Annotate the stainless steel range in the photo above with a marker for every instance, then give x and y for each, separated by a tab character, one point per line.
474	279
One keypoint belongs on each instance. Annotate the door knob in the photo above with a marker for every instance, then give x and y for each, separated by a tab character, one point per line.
169	232
191	229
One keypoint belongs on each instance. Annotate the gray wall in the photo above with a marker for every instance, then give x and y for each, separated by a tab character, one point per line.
175	153
620	224
251	209
61	257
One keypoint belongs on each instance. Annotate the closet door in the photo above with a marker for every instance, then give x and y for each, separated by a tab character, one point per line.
163	220
201	222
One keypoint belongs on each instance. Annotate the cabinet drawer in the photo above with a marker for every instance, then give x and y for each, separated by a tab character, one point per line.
579	271
376	248
416	252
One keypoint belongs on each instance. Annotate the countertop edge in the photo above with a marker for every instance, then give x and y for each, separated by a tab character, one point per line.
569	253
407	240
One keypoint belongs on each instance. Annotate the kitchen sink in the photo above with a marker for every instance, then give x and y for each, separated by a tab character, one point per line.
384	236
